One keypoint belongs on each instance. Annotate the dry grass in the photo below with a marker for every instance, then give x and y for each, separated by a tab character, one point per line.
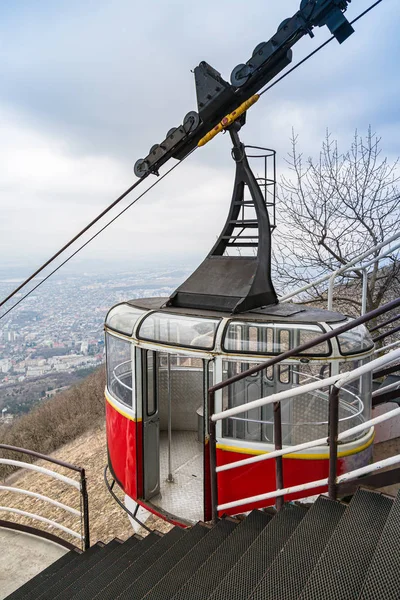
107	519
59	420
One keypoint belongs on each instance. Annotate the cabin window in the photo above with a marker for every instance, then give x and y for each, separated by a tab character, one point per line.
151	397
284	373
304	417
122	318
355	398
177	330
355	341
253	425
243	337
119	369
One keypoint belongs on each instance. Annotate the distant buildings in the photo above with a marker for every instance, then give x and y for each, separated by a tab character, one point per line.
60	328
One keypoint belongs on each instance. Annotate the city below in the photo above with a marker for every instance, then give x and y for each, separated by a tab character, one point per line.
58	329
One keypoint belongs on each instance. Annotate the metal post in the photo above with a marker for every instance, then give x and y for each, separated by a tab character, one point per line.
213	458
170	478
364	291
85	507
333	430
278	446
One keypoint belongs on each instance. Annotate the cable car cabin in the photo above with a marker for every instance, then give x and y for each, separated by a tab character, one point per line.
160	363
164	353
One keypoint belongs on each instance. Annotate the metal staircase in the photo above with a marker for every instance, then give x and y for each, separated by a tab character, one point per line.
331	550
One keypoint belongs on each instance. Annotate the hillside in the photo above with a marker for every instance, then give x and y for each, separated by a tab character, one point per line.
58	420
107	519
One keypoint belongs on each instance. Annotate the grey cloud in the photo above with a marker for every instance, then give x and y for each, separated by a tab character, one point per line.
101	82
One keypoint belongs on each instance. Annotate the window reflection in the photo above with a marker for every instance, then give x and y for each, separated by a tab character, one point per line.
178	330
123	318
272	338
119	369
356	340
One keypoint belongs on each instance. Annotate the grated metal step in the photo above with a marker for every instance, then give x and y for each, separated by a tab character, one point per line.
93	571
37	590
168	552
170	579
290	570
217	565
109	573
45	575
383	578
342	568
251	567
68	576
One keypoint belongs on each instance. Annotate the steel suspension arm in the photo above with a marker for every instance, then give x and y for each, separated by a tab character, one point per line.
217	98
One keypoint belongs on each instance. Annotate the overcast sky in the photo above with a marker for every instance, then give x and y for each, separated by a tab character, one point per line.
88	86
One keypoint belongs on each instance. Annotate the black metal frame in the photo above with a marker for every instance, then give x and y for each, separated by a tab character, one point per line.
385	334
83	485
40	533
121	504
388	322
285	326
217	98
333	425
235	283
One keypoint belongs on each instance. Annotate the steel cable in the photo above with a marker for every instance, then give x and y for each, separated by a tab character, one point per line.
136	184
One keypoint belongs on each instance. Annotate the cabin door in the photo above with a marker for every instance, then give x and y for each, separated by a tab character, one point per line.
173	394
151	425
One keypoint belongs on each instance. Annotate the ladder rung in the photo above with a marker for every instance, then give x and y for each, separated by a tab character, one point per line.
240	237
253	224
243	245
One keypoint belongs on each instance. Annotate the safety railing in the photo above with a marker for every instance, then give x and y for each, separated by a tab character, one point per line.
379	366
81	486
359	264
132	515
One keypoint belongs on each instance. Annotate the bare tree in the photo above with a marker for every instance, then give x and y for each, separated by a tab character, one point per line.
333	209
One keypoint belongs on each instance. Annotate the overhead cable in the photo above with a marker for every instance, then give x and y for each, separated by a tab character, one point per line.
93	236
136	184
77	236
297	65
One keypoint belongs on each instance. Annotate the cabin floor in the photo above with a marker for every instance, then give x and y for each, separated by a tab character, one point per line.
22	556
184	495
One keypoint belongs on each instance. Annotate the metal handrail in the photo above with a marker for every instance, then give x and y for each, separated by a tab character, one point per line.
116	377
24	513
378	350
351	475
386	334
121	504
388	322
333	434
301	388
32	467
364	268
15	490
340	379
312	444
346	267
81	486
386	388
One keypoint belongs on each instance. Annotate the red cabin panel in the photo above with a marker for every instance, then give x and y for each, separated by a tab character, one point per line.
124	437
259	478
